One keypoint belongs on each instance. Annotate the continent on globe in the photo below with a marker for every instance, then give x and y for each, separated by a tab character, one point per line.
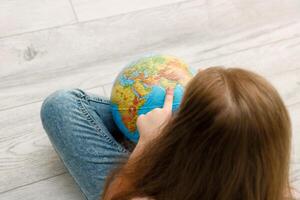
141	86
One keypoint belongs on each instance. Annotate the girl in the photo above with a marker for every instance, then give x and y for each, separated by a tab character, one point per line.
230	139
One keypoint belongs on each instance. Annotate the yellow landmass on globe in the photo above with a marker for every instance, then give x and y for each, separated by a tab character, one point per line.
170	70
124	96
140	89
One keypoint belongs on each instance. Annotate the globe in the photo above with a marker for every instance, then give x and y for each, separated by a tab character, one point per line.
141	86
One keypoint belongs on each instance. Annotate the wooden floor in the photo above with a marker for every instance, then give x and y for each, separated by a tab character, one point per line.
47	45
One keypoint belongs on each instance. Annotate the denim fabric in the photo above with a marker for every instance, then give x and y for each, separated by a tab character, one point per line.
80	127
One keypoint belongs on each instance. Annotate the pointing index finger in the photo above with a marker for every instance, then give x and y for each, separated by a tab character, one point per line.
169	98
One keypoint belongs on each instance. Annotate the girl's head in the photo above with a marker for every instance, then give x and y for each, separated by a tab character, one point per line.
230	139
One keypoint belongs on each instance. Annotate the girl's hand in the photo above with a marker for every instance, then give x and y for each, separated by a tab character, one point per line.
150	124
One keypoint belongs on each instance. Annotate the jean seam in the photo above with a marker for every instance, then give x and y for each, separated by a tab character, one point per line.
91	119
97	99
93	98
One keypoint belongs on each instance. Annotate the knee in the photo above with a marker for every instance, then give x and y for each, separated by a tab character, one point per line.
56	105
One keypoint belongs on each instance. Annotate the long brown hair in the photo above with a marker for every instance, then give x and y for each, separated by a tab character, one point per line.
229	140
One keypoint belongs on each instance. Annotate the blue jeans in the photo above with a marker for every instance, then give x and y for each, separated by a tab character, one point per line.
81	129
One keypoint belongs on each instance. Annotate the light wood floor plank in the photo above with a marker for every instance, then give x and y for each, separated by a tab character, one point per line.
89	9
19	16
39	62
60	187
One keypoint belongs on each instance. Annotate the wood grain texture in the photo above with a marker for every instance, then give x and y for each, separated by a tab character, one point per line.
295	178
95	9
26	154
89	52
19	16
61	187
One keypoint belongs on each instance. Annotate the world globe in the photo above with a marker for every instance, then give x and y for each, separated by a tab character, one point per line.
141	86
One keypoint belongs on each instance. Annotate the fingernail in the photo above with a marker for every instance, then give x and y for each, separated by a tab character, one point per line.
170	90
